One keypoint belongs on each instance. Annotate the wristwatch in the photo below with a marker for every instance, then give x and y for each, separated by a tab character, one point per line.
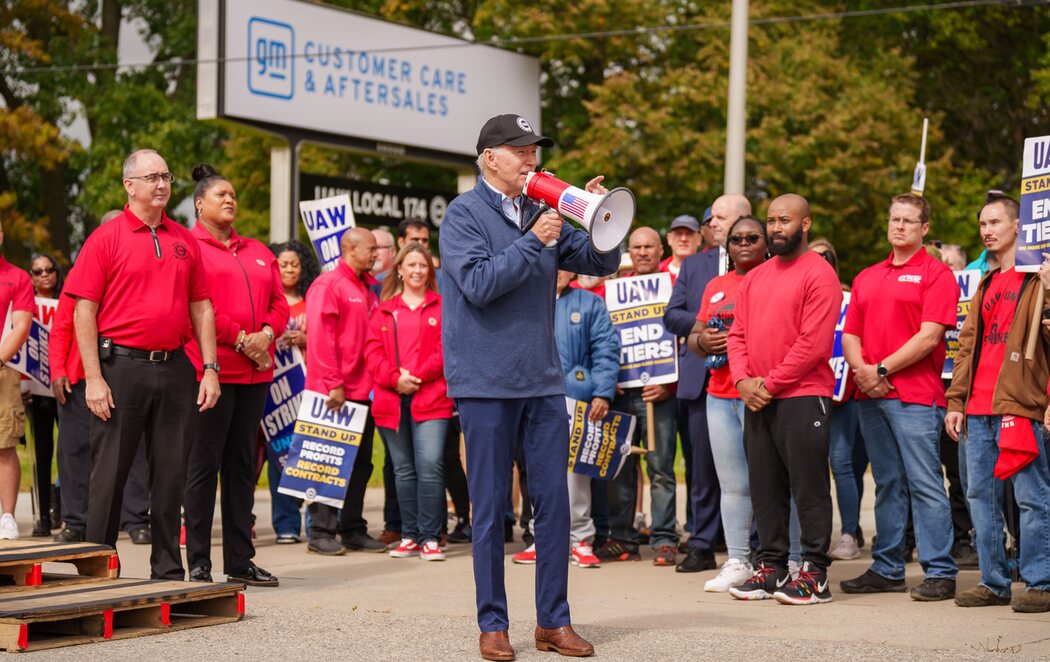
210	366
882	371
268	332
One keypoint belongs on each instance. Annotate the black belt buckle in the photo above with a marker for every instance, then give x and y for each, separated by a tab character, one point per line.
158	356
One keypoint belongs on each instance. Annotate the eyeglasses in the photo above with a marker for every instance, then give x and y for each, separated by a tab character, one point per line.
45	270
749	239
155	177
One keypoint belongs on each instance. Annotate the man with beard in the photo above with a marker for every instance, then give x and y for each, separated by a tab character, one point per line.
893	340
779	349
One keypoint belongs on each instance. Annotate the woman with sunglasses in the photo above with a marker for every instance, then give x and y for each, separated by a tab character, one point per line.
411	406
249	304
747	248
42	410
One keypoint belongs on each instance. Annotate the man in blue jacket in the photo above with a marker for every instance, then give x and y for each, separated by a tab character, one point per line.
502	367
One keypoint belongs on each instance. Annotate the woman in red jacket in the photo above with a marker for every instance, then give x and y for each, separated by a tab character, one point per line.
411	407
249	305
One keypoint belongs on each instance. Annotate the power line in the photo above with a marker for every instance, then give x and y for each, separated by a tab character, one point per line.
518	41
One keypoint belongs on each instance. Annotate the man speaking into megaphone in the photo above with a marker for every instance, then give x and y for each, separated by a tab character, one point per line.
502	367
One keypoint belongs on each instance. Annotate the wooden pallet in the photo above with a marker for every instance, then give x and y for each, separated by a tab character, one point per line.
52	616
21	563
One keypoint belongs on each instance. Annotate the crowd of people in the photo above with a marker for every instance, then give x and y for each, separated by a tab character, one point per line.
162	350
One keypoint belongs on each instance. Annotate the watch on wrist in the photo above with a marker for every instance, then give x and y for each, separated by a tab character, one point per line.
268	332
882	371
210	366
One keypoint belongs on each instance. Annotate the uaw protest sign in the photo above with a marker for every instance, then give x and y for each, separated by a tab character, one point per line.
1035	204
838	357
968	280
282	403
598	449
324	446
326	220
648	351
31	359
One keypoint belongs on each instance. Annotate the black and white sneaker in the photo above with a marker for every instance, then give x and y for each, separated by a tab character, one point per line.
810	588
762	585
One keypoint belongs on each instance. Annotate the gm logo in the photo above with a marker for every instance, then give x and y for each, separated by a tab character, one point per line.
271	62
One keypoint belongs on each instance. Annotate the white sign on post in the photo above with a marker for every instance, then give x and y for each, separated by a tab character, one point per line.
332	71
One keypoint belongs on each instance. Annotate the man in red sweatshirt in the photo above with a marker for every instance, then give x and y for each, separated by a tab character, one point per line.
338	306
779	348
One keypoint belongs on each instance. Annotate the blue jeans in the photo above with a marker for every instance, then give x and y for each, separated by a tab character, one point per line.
847	447
623	490
725	420
284	508
903	441
417	451
984	493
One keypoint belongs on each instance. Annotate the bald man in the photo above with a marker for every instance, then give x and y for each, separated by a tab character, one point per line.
779	352
724	212
646	249
338	306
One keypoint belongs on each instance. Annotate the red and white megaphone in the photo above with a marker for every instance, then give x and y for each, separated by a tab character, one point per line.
607	218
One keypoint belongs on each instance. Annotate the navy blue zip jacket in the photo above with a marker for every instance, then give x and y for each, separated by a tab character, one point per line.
498	298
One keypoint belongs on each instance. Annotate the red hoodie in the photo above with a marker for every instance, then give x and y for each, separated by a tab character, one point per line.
784	331
246	293
431	400
62	352
338	305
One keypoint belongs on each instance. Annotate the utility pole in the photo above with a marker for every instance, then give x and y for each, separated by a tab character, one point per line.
736	112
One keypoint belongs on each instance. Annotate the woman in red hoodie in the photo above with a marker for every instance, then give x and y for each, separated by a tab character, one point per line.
249	304
411	407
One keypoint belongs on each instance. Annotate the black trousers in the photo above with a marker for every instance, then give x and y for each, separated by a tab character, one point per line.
224	445
326	521
156	400
786	444
74	468
455	477
43	413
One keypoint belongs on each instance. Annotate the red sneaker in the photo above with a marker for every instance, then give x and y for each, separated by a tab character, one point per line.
407	548
583	556
528	557
431	551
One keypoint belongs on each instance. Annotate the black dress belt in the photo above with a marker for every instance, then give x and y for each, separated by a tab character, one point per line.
153	356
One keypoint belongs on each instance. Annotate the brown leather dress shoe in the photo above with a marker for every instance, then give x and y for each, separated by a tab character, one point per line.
564	641
496	646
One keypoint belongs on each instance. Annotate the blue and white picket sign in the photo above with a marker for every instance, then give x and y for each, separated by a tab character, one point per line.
648	351
1035	204
326	220
32	359
968	280
282	403
324	446
838	359
598	449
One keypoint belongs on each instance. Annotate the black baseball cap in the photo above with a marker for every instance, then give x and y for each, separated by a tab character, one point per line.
685	221
510	130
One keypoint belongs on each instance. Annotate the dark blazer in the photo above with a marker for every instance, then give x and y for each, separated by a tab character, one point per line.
696	272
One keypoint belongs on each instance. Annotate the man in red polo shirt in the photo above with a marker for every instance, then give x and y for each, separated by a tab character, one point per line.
16	291
140	289
893	339
338	306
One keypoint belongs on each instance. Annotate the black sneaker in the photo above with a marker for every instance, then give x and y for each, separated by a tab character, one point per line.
872	582
326	546
141	536
810	588
614	550
69	535
200	574
964	555
934	589
767	580
696	560
362	542
460	534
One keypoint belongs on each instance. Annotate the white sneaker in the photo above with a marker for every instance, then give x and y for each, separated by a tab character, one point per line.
8	527
847	548
793	568
733	573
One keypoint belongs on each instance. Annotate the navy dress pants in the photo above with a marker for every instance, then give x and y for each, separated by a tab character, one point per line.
494	428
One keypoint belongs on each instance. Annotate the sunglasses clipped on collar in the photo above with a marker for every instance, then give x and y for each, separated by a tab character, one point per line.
40	272
749	239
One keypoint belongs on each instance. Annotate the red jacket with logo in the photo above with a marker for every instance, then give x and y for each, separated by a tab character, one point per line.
431	401
338	305
246	293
